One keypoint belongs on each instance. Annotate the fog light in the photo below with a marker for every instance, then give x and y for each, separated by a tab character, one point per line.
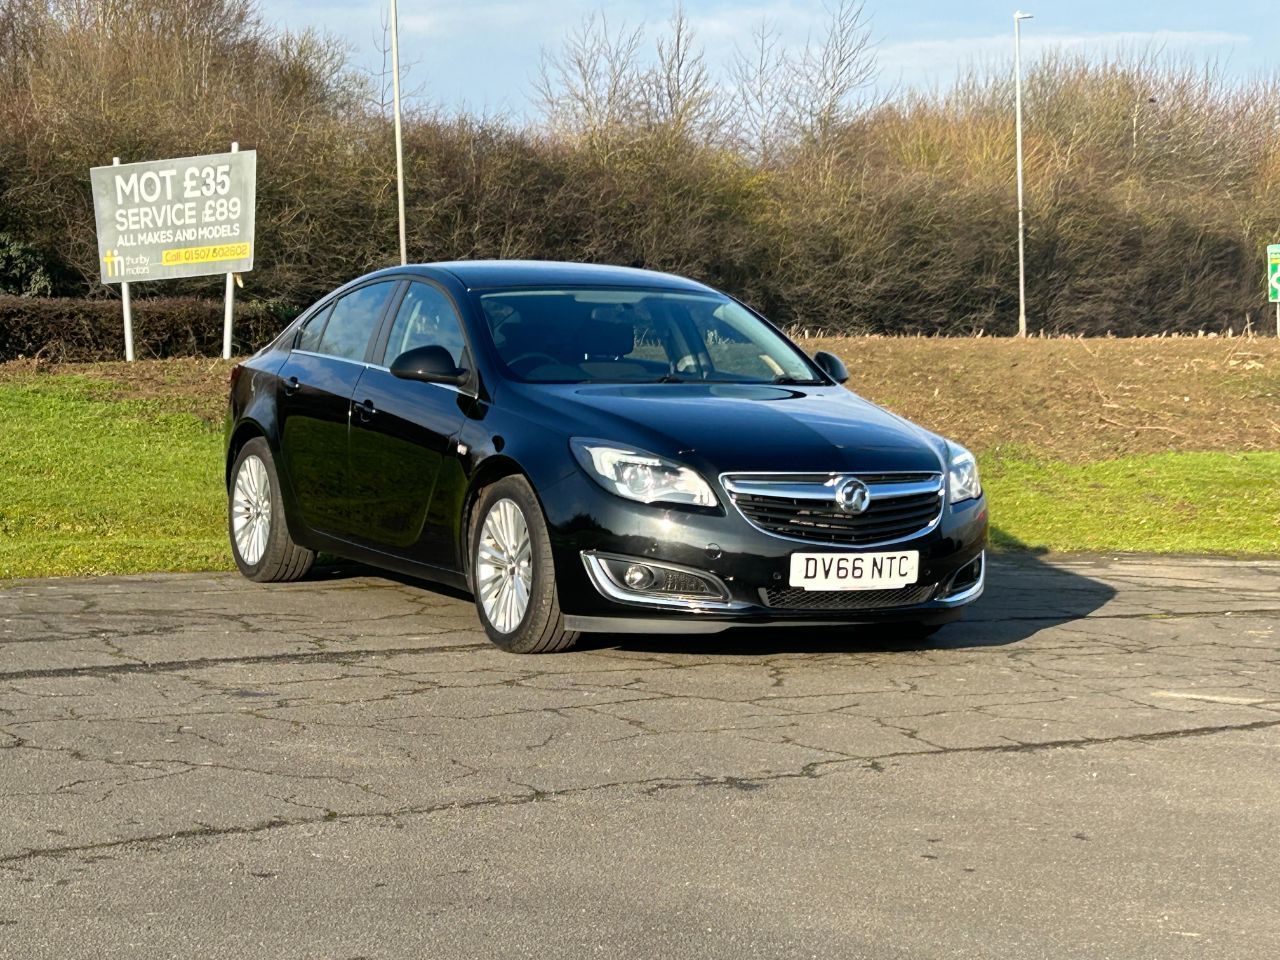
652	579
638	577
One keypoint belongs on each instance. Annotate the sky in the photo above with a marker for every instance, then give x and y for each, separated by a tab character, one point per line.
482	55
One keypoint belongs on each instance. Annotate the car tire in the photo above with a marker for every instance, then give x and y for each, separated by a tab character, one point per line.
510	561
260	542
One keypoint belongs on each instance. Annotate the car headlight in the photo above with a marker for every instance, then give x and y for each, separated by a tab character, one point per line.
963	474
642	476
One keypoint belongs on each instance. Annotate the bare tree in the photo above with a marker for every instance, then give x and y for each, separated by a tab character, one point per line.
21	24
593	85
381	87
759	76
830	72
682	96
783	99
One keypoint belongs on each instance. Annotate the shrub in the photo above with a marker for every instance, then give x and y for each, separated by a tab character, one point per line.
88	330
23	271
1152	186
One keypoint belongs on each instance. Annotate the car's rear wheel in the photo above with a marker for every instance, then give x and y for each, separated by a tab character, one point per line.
260	540
512	574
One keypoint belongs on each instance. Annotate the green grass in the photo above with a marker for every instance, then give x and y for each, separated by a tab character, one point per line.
94	485
90	484
1220	503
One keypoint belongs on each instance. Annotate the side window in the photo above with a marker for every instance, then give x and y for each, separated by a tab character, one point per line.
353	321
426	317
311	330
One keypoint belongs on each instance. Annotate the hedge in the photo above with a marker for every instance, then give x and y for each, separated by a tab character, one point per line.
1152	184
71	329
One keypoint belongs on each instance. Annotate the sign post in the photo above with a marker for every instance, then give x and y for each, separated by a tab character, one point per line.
125	303
164	219
1273	280
229	300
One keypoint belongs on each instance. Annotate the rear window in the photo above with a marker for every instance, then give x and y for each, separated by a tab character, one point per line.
309	338
353	321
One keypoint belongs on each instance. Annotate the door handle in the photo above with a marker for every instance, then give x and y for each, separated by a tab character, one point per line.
366	410
290	386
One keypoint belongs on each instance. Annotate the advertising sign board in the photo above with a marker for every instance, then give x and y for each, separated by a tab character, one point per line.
189	217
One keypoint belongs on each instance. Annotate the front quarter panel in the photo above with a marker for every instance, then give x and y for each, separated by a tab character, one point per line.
500	442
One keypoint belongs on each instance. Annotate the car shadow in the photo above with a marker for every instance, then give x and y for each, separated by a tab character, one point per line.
1024	595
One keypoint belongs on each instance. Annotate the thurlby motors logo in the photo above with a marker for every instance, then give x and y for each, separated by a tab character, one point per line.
113	263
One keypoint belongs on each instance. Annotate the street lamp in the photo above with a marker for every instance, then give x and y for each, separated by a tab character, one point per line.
1018	17
395	97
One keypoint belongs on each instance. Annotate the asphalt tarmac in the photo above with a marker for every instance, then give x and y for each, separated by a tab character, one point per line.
197	766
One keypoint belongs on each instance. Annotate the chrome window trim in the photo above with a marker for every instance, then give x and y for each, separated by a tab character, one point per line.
328	356
726	479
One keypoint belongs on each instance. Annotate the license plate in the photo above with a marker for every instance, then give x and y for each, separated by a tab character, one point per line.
855	571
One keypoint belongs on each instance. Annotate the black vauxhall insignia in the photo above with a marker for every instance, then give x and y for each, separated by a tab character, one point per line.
592	448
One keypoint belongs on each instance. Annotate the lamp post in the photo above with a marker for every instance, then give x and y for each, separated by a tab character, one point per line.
395	97
1018	17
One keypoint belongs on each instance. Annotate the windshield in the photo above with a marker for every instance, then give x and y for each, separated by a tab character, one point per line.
637	336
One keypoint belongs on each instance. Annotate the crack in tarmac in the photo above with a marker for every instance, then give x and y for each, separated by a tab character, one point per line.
183	666
135	665
650	785
1073	663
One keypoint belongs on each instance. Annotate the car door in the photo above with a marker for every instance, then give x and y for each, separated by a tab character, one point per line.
406	480
315	387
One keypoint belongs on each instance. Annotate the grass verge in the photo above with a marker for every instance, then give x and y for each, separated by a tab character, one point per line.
1184	502
92	484
95	479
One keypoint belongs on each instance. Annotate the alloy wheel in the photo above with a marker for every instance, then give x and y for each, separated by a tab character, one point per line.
251	510
504	566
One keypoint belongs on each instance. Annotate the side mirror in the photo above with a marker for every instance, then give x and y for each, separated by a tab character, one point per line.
831	365
430	364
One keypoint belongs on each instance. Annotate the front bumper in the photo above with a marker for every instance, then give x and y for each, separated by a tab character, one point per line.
753	567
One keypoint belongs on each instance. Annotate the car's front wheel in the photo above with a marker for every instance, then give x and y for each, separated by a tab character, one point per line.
512	574
260	540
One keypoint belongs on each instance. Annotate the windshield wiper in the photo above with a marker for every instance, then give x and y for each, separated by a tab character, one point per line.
786	380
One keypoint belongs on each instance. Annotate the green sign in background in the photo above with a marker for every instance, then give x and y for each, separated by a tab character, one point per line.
1273	272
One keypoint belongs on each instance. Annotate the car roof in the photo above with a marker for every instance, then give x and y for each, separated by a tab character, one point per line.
496	274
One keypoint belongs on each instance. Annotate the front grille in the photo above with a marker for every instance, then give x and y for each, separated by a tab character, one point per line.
803	506
782	598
